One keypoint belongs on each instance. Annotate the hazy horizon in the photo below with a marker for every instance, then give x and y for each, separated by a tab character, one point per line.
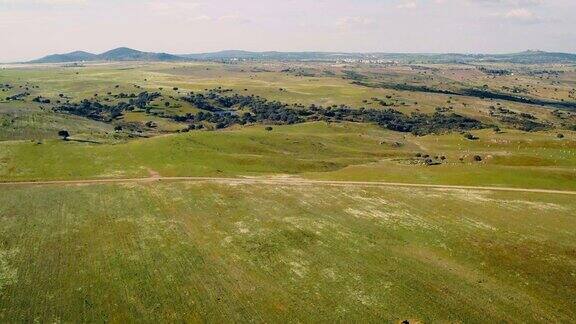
31	29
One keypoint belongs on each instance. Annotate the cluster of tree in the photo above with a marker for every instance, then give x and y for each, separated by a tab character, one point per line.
567	118
524	124
94	110
495	72
102	112
487	94
381	101
18	96
41	100
353	75
303	72
140	100
545	73
471	92
238	109
515	89
522	121
405	87
5	87
429	160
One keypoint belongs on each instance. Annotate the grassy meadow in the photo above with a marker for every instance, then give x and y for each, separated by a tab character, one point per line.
255	253
346	151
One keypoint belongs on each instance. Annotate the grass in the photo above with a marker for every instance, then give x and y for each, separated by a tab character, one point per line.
162	124
346	151
21	121
511	159
244	151
208	252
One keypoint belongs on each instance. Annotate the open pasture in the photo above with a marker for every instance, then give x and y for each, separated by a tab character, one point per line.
220	252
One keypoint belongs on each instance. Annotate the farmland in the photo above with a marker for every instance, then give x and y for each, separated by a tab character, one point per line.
294	249
216	252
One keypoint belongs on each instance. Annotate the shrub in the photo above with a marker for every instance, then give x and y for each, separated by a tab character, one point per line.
64	134
471	136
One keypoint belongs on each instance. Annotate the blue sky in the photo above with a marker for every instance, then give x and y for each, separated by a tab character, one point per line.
33	28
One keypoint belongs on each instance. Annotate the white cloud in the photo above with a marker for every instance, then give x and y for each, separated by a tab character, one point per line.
520	15
171	7
509	2
43	2
201	18
234	18
407	5
354	23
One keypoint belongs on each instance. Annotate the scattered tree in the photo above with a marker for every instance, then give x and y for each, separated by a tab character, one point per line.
64	134
470	136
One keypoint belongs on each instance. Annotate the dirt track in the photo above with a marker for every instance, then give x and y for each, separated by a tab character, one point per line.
283	182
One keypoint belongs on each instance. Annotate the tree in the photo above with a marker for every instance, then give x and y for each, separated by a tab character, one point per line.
269	128
64	134
470	136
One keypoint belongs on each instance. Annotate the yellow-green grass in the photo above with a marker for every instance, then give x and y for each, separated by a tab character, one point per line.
510	159
81	83
241	151
21	121
346	151
171	252
163	124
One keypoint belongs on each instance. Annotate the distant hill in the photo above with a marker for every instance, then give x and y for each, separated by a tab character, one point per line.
128	54
533	57
78	56
246	55
118	54
527	57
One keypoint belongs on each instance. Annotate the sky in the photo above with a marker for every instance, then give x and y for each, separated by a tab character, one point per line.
30	29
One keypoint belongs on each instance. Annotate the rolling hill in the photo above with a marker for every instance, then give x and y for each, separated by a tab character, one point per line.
118	54
128	54
77	56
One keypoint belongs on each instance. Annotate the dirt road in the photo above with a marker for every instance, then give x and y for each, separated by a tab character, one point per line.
282	182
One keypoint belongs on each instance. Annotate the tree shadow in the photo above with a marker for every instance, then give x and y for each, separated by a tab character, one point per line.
83	141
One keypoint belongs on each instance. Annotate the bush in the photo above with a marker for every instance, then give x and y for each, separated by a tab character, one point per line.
471	136
64	134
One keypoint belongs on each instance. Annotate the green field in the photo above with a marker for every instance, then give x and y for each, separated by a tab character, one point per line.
210	252
285	247
318	151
